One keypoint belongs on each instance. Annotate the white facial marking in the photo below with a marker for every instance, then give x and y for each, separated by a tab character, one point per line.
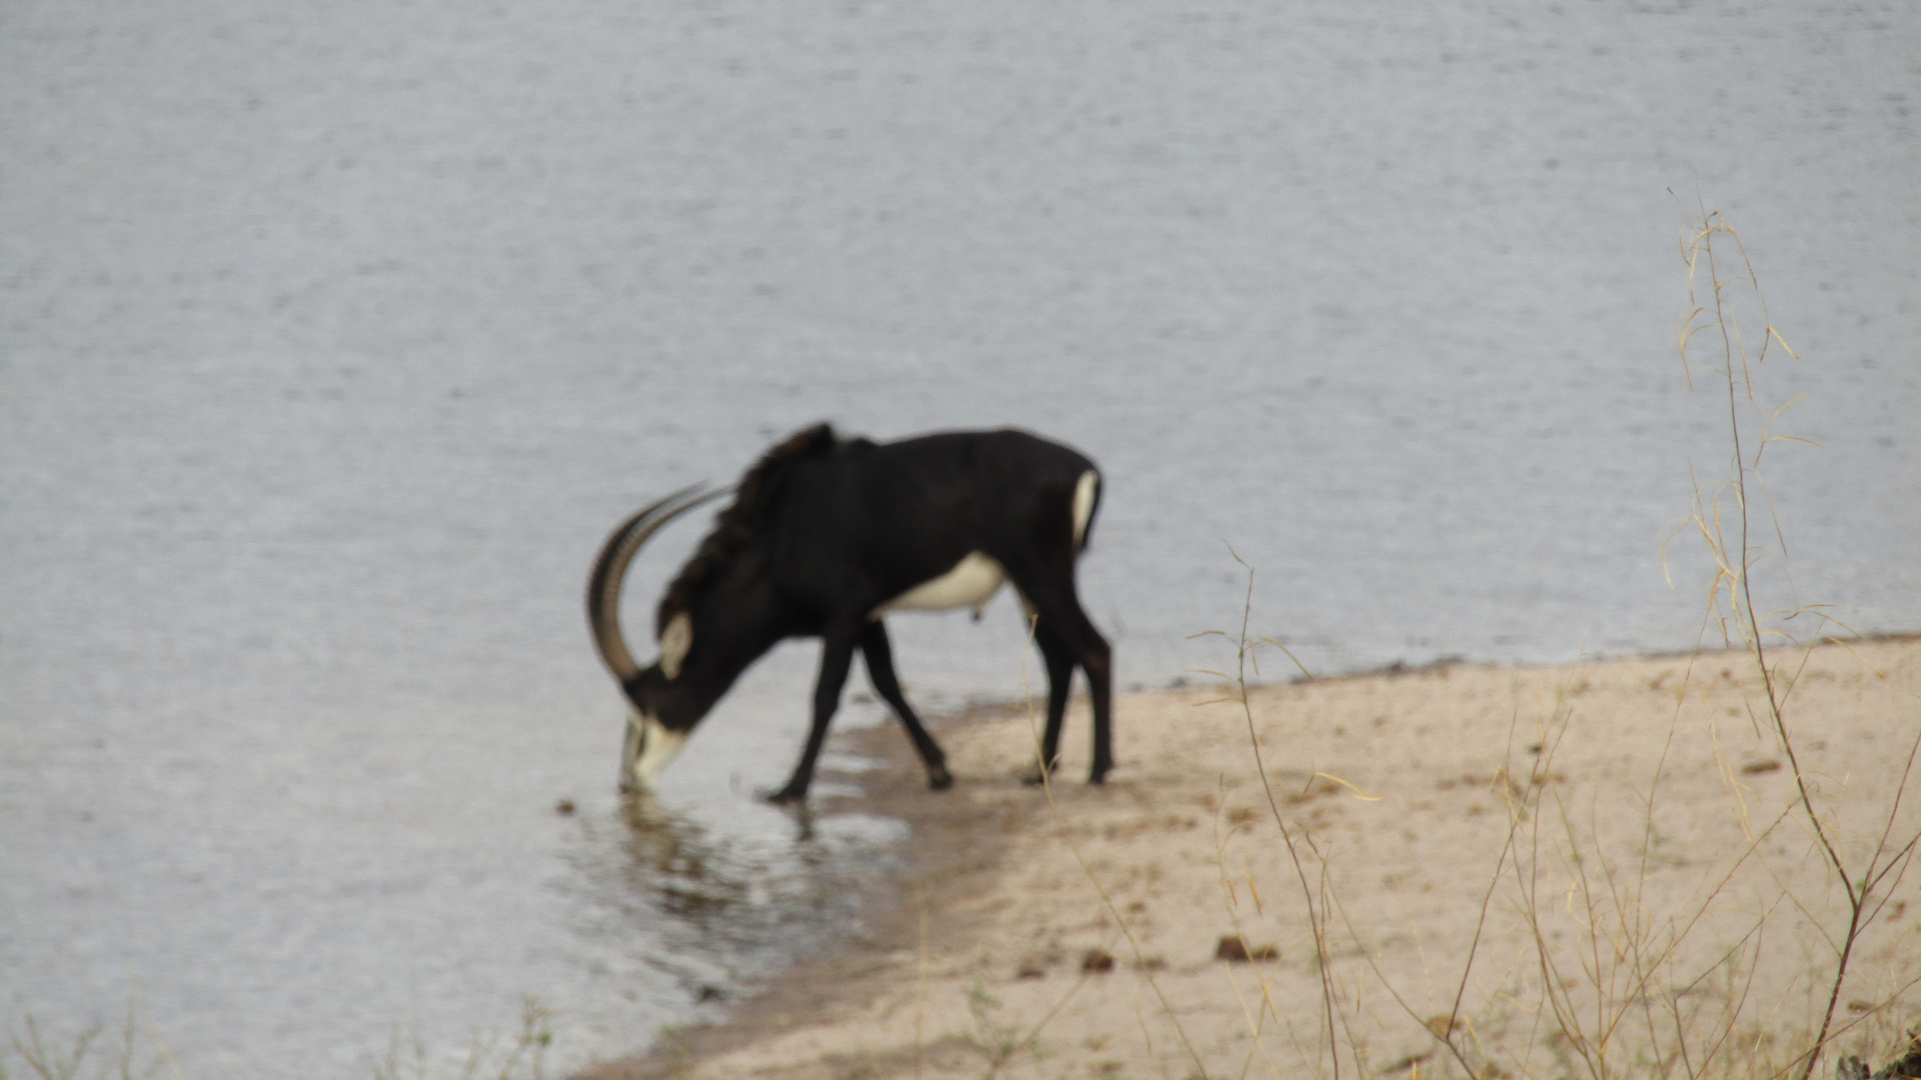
650	746
971	583
674	643
1084	492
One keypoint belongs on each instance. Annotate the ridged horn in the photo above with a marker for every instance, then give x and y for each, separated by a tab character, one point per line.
610	571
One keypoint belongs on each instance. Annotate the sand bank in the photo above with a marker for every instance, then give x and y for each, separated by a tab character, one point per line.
1598	860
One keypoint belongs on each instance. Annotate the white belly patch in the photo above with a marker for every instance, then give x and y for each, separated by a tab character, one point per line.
971	584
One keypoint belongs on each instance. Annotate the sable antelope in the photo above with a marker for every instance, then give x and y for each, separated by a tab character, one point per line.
825	536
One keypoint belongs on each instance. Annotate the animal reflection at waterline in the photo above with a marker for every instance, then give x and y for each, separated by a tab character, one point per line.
826	536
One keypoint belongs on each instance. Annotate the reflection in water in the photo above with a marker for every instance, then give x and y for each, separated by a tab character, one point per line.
718	910
680	864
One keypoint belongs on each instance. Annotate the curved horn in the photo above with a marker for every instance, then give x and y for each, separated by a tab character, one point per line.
610	570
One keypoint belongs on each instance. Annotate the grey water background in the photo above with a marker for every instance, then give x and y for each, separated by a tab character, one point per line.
333	338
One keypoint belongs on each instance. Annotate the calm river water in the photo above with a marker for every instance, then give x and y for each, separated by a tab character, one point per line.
333	337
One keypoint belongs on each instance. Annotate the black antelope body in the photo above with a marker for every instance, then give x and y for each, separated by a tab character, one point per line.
825	536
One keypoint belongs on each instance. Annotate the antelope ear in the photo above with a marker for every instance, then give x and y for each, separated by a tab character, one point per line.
674	643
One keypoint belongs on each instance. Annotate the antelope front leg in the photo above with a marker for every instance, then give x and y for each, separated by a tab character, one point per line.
836	656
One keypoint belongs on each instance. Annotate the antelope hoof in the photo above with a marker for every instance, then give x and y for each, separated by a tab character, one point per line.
1035	776
939	779
791	795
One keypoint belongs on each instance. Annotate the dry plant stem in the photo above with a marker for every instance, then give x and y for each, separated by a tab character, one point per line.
1107	901
1487	898
1648	840
1735	572
1256	1021
1743	580
1515	817
1256	1025
1904	855
1326	904
1034	1033
1321	956
1704	243
123	1060
1556	987
45	1062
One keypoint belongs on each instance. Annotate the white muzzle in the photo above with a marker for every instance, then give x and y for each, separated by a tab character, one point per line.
650	746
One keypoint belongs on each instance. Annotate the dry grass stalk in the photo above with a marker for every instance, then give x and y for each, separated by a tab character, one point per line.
1655	980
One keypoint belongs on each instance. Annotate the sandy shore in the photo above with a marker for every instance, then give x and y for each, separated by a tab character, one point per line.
1546	865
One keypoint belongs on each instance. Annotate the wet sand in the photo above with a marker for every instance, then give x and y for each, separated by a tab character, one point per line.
1469	833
